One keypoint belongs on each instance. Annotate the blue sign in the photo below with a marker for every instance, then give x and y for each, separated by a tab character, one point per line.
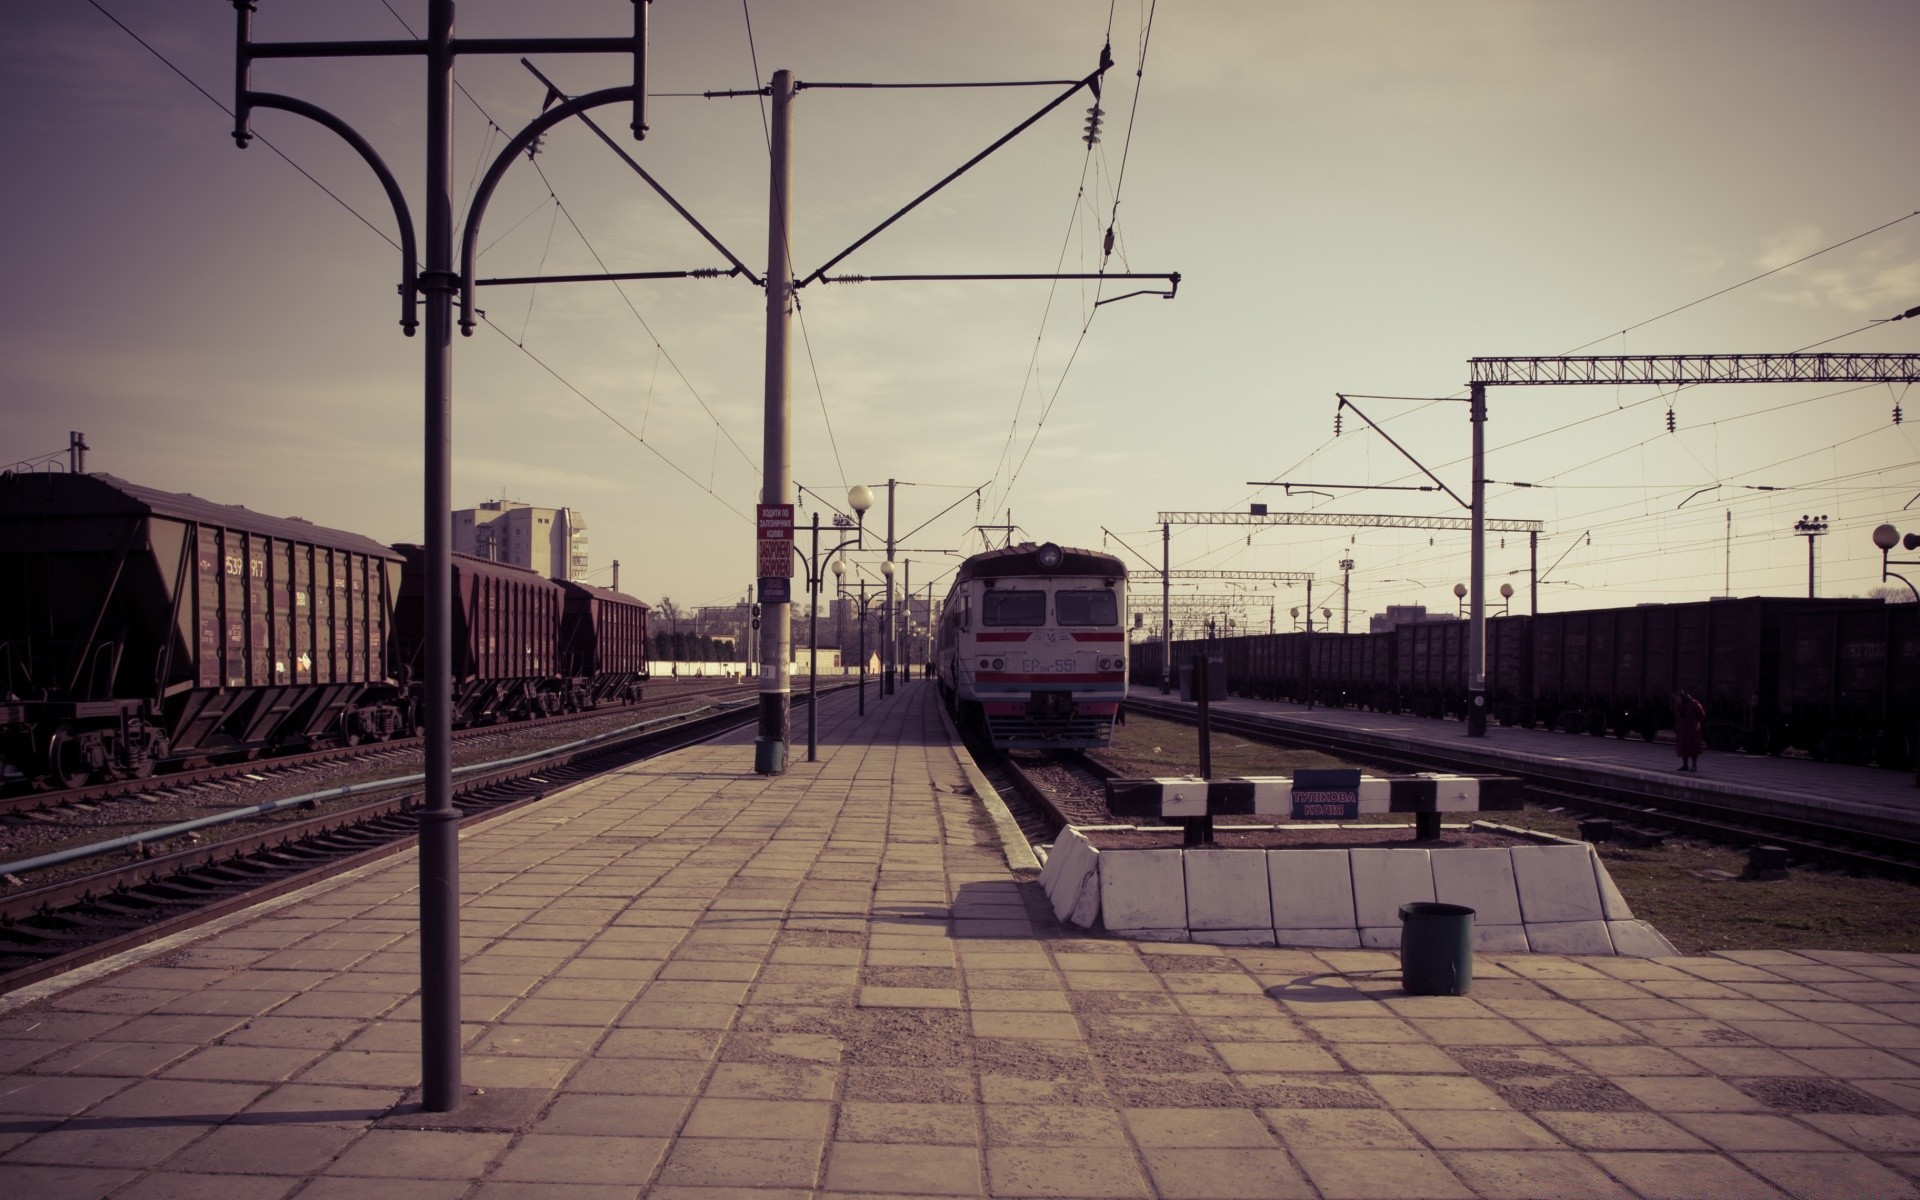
775	590
1326	795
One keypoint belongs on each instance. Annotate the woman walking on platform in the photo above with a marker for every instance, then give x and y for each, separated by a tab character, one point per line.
1689	715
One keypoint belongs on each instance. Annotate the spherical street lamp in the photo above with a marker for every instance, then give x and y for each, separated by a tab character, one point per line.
860	498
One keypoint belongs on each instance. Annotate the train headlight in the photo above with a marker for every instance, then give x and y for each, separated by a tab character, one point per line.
1050	556
985	663
999	663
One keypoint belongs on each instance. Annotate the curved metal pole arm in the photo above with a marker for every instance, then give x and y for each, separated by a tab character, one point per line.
559	113
409	257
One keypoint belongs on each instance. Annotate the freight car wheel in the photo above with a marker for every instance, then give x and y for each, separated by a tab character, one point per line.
66	759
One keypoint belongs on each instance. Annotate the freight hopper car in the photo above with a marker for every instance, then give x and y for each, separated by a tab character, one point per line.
603	645
506	638
1031	647
139	626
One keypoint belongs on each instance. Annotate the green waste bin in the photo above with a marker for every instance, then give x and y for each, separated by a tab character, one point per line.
1436	948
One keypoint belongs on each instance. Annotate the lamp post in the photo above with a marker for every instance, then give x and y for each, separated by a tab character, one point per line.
886	621
1887	537
839	573
1346	586
860	499
1506	598
1811	528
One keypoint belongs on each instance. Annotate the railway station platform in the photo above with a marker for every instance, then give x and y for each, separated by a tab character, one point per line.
1867	799
684	980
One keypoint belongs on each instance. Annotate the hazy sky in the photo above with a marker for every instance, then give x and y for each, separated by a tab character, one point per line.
1360	197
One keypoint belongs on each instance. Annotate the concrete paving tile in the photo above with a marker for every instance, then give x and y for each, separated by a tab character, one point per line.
1247	1174
304	1103
501	1071
945	1124
1737	1061
1689	1033
772	1081
1269	1057
1491	1031
64	1183
1755	1131
515	1190
615	1116
255	1149
1822	1176
1381	1175
110	1142
696	1044
365	1067
593	1013
919	1170
163	1098
1434	1091
1672	1094
1458	1129
1051	1026
126	1060
1793	1035
1196	1128
1016	1001
1898	1093
741	1163
801	1119
1533	1175
183	1185
1051	1125
194	1029
1631	1060
1619	1131
1878	1134
649	1014
909	997
1857	1063
1375	1029
1684	1176
537	1041
1590	1031
1392	1058
1093	1172
320	1033
1308	1129
556	1158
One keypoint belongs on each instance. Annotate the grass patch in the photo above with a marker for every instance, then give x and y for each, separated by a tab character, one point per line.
1674	887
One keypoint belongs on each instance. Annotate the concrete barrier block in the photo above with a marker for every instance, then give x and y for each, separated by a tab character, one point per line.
1234	937
1143	889
1310	889
1638	939
1456	793
1556	884
1376	794
1067	850
1381	937
1500	939
1331	939
1480	879
1227	889
1383	880
1612	903
1272	795
1086	902
1569	937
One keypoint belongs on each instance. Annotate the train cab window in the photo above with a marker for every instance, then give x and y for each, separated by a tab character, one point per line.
1086	607
999	607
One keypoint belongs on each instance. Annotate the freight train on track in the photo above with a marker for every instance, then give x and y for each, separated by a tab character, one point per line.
1031	646
141	628
1837	679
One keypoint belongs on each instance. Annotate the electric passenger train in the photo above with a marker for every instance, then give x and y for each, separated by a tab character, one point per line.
1032	646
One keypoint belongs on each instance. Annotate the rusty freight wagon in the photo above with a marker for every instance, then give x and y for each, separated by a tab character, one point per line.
139	626
603	645
506	638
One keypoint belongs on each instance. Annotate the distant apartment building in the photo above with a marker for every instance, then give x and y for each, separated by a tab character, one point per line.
1405	614
552	541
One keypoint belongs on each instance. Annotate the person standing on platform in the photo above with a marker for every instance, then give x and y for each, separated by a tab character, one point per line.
1689	716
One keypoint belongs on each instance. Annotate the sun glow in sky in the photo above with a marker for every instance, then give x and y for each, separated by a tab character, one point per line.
1359	199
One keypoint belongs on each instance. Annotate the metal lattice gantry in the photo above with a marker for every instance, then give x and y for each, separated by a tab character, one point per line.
1690	369
1661	370
1245	576
1374	520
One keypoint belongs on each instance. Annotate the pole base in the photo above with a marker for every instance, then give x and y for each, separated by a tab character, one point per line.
769	756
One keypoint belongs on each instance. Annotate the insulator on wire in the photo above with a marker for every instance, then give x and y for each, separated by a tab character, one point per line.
1669	420
1336	422
1094	117
1896	414
1108	248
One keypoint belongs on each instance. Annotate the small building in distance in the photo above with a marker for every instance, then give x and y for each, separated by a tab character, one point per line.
1404	614
552	541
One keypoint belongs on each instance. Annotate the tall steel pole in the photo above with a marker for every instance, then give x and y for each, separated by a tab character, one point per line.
1166	608
886	620
776	632
439	821
1533	574
1477	570
813	643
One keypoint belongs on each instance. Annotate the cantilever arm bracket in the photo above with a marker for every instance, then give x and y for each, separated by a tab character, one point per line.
559	113
409	257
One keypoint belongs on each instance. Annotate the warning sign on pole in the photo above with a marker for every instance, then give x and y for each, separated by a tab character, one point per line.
775	543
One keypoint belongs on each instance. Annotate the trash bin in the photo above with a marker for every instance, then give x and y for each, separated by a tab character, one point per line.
1436	948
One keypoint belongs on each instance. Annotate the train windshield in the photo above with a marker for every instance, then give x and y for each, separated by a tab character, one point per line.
1013	608
1086	607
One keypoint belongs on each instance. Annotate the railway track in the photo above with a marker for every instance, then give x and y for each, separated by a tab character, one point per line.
48	929
22	796
1806	840
1037	785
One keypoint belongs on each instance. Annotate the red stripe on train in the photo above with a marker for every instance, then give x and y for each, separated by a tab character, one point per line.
1096	637
1003	637
1010	677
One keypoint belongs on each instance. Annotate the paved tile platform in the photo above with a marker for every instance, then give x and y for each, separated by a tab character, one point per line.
1871	799
687	981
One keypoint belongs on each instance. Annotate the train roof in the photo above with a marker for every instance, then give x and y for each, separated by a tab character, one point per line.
600	593
1024	559
62	494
